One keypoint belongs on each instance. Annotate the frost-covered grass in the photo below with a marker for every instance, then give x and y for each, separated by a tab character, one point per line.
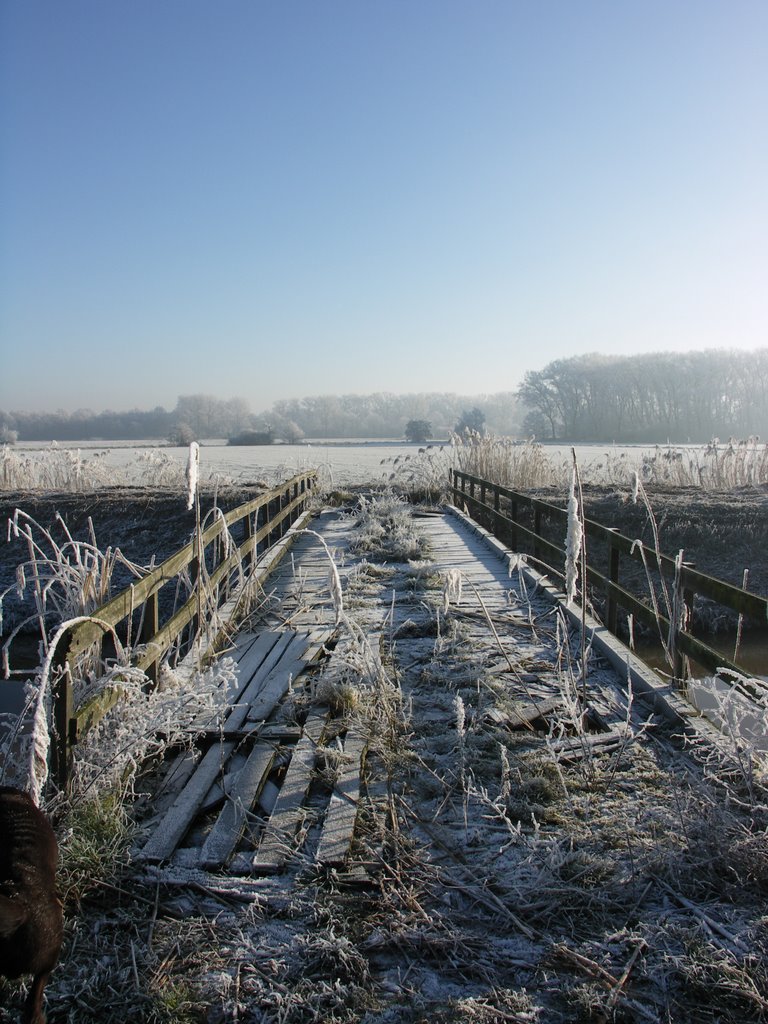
714	466
65	577
530	465
55	469
385	530
71	469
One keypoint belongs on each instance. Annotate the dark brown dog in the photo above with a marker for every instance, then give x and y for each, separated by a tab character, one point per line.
31	919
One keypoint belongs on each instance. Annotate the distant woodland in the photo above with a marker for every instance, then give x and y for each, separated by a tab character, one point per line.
692	396
205	416
679	397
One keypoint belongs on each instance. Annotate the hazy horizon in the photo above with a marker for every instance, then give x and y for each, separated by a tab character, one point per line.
273	201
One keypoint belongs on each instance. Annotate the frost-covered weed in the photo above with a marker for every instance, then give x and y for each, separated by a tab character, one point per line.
738	705
385	532
144	723
423	475
54	468
451	589
66	578
573	541
67	469
193	473
520	465
715	466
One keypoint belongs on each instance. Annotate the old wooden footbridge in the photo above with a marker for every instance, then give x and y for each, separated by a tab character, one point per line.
291	771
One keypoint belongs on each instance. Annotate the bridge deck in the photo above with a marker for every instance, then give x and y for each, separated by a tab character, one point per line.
295	772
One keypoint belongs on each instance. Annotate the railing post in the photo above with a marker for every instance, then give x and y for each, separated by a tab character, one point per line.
513	516
680	667
195	575
248	526
536	530
611	605
63	713
150	624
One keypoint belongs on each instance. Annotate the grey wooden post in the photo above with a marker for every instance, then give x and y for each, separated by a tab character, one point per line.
150	625
611	605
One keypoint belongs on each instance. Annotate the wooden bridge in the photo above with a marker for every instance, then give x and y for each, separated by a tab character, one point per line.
418	772
292	774
330	633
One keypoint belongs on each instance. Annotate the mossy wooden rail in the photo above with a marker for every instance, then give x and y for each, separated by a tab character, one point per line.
206	564
498	509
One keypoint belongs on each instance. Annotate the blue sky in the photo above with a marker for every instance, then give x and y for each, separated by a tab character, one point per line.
273	199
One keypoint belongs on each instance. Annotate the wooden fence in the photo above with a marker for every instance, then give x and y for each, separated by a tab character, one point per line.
502	510
206	564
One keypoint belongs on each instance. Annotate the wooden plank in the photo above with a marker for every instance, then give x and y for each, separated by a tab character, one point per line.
274	689
262	656
339	825
239	711
229	826
265	650
523	715
277	842
180	814
577	747
269	684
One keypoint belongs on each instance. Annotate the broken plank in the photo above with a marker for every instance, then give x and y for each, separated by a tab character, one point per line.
262	656
182	811
239	711
257	730
339	825
274	689
279	836
229	826
522	715
577	747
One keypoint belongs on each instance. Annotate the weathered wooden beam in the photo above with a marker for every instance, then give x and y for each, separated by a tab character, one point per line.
225	834
181	813
339	825
277	842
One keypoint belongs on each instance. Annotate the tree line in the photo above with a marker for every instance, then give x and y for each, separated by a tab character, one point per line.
201	416
680	397
691	396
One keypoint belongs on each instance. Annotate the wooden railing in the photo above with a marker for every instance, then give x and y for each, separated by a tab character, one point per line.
500	510
205	563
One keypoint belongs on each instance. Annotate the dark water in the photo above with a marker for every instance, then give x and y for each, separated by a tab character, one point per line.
753	653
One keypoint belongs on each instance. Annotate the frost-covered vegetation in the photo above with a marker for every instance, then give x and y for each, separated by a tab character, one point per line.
519	874
530	465
71	469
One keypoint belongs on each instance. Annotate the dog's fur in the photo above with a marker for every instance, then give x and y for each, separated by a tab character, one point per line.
31	918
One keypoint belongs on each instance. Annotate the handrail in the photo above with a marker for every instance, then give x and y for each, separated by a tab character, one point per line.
265	519
502	520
